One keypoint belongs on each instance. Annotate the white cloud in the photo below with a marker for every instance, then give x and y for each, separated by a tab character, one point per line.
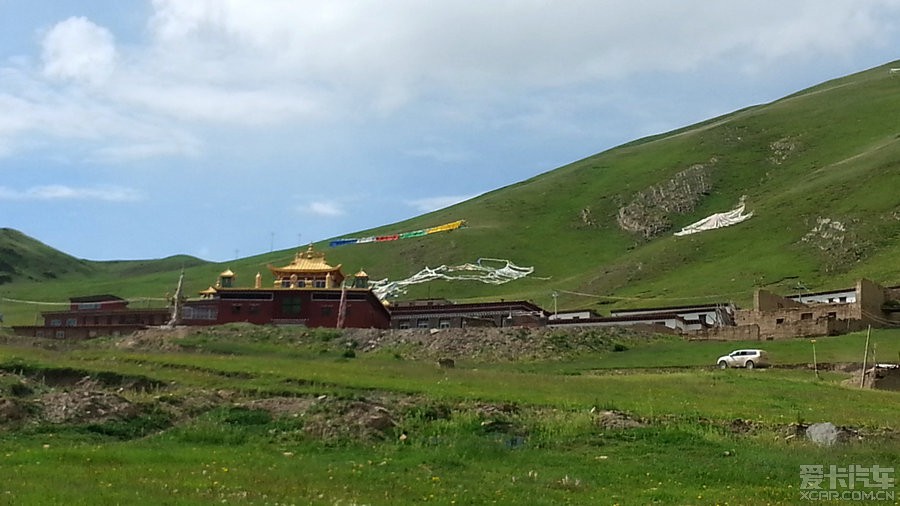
429	204
389	95
138	150
208	64
64	192
438	154
388	52
323	208
78	49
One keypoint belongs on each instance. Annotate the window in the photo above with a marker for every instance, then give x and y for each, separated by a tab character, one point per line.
71	322
422	323
444	324
290	306
806	316
87	306
404	324
60	334
235	309
779	321
56	322
843	299
319	283
200	313
285	283
832	316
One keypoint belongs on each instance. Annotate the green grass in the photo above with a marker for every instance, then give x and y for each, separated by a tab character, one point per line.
844	167
638	468
505	433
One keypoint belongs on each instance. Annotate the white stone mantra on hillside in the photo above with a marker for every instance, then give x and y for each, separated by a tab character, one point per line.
717	220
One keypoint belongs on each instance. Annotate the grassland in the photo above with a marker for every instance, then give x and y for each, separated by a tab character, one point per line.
253	416
831	152
256	416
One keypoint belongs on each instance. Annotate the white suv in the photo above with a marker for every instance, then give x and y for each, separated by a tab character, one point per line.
744	358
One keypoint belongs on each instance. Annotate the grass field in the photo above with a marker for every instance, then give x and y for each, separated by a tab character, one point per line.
828	154
652	424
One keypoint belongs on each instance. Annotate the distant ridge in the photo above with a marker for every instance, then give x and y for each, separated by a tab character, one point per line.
23	258
819	170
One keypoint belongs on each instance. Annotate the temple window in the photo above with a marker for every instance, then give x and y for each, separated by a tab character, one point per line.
290	306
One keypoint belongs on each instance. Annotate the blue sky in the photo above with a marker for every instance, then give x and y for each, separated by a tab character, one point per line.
216	128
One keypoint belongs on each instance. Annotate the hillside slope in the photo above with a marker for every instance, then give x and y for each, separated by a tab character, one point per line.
819	170
23	258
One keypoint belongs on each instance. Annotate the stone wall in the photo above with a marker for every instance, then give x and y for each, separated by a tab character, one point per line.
764	300
739	333
870	297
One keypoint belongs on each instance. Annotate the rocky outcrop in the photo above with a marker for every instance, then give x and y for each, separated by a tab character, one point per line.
648	213
837	242
782	149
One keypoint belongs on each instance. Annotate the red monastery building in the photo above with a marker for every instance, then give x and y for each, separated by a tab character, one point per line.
93	316
308	292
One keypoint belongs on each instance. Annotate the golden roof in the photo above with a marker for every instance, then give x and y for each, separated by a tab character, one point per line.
227	274
307	261
208	291
361	274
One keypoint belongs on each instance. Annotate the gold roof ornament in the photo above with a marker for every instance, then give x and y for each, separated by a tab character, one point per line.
361	274
309	261
227	274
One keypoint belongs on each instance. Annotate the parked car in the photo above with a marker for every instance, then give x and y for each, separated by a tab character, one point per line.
744	358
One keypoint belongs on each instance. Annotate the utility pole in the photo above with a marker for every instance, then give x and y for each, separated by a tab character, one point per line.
862	379
815	364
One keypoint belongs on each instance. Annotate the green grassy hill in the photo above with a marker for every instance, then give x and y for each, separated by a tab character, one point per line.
819	170
828	153
23	258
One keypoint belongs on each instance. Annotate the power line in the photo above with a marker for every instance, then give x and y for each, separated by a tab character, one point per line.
879	319
597	296
45	303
